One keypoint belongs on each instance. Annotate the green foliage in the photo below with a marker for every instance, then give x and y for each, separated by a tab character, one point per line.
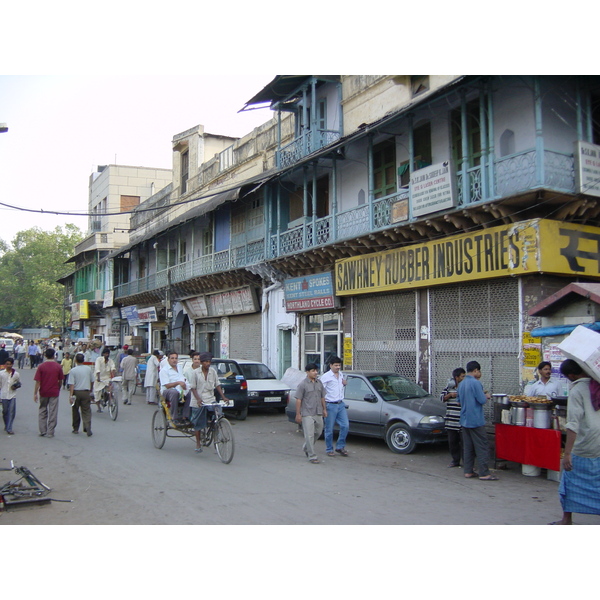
29	269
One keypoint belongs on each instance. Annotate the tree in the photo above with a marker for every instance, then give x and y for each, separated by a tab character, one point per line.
29	269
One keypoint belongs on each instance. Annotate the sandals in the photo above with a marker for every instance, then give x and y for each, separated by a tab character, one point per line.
342	451
471	475
332	453
489	477
314	461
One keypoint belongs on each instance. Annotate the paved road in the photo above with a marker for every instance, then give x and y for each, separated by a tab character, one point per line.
118	477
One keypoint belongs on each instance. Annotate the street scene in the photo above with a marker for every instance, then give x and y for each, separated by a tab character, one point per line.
118	477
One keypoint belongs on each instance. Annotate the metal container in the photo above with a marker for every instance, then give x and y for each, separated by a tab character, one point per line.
541	415
517	413
501	398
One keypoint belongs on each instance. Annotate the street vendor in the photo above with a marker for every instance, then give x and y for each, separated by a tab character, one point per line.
545	385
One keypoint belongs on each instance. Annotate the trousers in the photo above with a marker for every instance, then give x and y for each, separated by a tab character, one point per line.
48	415
82	405
312	426
336	413
475	444
9	409
128	388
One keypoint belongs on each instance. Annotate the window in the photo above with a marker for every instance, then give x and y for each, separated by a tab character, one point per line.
182	251
142	267
422	151
322	339
185	169
384	169
128	203
297	200
473	135
207	242
226	158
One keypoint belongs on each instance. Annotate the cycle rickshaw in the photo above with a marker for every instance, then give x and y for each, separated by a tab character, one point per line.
218	430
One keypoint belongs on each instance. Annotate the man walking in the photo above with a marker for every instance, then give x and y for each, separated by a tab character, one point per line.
475	441
129	373
48	379
579	487
32	352
81	382
334	382
310	410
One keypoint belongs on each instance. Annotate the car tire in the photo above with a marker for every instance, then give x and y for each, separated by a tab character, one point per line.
241	414
400	439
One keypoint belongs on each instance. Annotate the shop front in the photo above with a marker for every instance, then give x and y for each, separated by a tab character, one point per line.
423	310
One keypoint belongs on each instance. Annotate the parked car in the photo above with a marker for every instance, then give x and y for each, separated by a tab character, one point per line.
388	406
264	389
233	384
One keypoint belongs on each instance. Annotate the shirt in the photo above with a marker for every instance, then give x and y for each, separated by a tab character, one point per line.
170	375
105	368
7	378
205	385
471	398
128	366
81	377
452	406
539	388
334	386
50	376
310	394
583	420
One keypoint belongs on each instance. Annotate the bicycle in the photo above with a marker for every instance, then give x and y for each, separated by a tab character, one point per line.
218	430
108	399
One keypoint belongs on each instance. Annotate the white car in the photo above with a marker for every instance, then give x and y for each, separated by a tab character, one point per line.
264	389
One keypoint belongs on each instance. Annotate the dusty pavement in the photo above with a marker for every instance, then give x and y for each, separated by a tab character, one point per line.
118	477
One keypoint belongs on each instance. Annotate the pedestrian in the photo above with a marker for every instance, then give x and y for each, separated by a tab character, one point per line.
121	356
129	374
174	386
21	353
32	353
66	364
449	397
334	382
10	382
81	383
151	377
310	410
104	371
471	398
3	354
579	488
48	380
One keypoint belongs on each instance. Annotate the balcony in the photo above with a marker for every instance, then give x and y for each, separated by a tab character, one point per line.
306	144
513	174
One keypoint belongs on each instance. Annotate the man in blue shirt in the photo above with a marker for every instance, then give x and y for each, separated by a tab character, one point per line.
475	441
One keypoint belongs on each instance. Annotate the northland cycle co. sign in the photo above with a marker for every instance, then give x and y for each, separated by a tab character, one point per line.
312	292
534	246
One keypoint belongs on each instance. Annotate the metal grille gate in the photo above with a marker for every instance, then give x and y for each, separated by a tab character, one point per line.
476	321
385	333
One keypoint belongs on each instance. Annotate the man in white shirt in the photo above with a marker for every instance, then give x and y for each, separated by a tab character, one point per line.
172	385
129	372
334	383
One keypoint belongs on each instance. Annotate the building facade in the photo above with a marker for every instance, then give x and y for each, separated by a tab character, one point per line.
406	223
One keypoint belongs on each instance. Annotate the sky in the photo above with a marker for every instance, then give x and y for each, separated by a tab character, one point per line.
60	128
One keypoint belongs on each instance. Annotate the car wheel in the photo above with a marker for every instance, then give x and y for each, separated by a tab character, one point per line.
242	414
399	439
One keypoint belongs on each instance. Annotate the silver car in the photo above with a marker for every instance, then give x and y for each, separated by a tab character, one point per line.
388	406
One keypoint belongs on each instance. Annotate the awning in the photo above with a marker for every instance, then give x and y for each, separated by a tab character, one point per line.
562	329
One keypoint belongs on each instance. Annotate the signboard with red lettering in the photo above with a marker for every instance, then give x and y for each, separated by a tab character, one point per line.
312	292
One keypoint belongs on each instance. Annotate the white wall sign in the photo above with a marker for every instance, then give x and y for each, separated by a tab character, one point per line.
431	189
587	168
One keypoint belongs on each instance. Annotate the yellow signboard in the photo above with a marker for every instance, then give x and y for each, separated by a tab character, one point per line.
84	309
537	245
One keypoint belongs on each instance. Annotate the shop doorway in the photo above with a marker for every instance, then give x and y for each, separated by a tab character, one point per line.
322	339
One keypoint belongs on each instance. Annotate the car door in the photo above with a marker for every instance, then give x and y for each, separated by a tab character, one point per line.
364	415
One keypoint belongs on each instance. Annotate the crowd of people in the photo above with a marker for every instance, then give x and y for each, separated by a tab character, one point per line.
88	370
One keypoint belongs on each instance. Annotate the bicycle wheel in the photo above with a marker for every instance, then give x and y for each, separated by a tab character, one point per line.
224	440
159	428
113	406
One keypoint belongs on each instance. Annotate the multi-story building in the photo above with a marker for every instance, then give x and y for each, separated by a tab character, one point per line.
406	223
114	191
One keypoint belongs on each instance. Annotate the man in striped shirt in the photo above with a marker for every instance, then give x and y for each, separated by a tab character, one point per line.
449	396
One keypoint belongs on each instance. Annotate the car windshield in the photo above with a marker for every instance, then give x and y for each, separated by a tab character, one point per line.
226	369
394	387
256	371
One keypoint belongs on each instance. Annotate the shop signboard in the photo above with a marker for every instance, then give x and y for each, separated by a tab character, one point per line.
130	313
533	246
147	315
431	189
587	168
232	302
311	292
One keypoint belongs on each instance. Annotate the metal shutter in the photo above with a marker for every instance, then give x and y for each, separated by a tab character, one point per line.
245	337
